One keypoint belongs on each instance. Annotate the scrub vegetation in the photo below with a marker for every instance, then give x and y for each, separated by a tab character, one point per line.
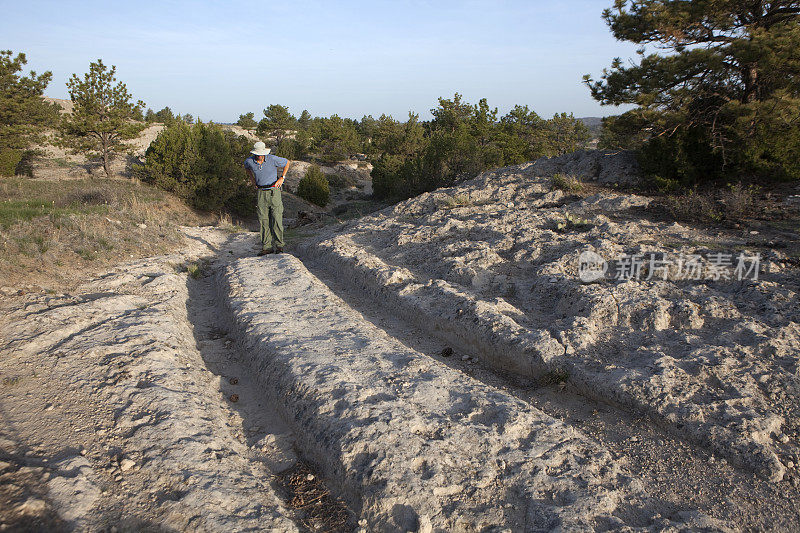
314	187
56	233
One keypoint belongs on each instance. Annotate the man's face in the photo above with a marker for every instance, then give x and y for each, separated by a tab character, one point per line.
260	158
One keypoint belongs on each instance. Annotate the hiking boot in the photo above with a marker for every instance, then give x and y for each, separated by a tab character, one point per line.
264	252
278	250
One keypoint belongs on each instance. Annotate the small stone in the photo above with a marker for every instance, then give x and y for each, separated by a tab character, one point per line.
711	460
143	226
789	464
126	465
118	477
784	438
310	477
465	358
33	506
234	381
446	352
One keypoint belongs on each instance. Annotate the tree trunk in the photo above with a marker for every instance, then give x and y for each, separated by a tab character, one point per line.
106	162
750	76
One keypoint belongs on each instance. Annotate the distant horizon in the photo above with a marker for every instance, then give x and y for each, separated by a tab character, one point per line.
353	59
401	119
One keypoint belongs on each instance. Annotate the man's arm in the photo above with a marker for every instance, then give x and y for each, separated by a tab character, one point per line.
279	183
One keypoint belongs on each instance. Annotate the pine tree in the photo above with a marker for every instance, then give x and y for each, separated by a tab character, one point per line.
247	121
23	111
726	88
102	117
304	122
277	122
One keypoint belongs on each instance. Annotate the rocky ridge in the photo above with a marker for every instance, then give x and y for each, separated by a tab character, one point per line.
491	266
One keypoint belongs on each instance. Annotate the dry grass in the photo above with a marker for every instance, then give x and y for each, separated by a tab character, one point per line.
55	233
733	204
317	509
566	183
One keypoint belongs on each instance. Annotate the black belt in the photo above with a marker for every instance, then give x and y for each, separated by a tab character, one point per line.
267	187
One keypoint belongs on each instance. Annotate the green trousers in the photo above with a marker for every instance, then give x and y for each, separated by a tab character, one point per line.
270	216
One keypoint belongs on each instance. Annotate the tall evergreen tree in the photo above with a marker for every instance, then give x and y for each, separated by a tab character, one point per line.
277	122
23	111
247	121
103	115
304	122
726	92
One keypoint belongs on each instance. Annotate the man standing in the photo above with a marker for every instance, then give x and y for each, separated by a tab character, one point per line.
263	170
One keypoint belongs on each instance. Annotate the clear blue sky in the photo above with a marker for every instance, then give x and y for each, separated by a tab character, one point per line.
218	59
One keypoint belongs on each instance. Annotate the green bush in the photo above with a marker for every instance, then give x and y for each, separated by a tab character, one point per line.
9	159
201	163
686	157
314	187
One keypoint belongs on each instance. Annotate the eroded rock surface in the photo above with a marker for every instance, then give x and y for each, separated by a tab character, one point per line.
418	446
492	264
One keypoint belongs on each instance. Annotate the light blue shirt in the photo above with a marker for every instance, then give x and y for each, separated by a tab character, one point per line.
267	172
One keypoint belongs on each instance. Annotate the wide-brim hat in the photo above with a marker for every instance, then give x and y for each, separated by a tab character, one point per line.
260	148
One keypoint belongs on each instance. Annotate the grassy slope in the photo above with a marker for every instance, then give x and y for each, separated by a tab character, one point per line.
55	233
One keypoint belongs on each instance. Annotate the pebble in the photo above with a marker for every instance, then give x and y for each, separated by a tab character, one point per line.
126	465
234	398
310	477
465	358
234	381
784	438
789	464
33	506
446	352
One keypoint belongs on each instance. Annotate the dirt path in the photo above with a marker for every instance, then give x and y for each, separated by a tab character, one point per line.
116	407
